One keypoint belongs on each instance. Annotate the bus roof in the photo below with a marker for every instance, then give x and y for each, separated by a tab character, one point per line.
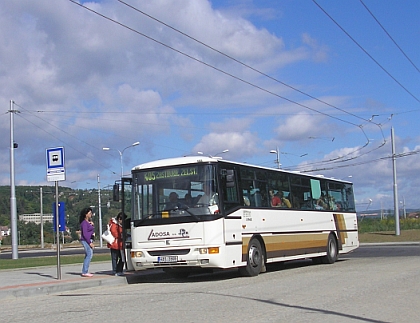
186	160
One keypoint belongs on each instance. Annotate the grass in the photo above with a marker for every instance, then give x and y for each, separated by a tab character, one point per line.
49	261
377	230
389	236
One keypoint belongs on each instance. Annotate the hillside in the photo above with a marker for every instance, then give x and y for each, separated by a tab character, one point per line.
28	200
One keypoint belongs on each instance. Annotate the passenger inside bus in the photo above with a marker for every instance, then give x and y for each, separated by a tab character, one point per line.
173	201
188	199
284	201
322	202
278	199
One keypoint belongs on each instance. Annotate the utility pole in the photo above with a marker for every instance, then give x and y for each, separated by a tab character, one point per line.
394	168
13	208
100	213
42	218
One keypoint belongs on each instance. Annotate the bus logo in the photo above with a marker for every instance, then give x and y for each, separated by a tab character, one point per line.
159	235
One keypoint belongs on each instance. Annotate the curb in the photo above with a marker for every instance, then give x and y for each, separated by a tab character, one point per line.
80	283
407	243
47	288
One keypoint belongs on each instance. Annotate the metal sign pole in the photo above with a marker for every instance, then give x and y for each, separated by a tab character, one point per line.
57	231
56	172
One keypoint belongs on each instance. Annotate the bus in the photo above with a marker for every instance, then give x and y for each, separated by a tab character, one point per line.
203	213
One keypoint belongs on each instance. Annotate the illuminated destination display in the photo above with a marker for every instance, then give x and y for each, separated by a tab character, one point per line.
170	173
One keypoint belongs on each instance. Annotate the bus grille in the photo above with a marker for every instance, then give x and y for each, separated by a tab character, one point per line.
172	252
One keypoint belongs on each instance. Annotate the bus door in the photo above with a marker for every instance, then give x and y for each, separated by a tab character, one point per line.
233	216
126	208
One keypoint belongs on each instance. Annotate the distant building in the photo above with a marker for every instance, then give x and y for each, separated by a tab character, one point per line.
4	231
36	218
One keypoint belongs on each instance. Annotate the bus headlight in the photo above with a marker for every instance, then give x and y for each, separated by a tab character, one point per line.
211	250
137	254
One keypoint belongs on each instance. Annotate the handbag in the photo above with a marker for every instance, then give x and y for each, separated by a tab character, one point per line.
107	235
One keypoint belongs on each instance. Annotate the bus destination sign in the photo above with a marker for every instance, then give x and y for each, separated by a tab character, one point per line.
170	173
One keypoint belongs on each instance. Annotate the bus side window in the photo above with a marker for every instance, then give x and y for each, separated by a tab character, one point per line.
229	188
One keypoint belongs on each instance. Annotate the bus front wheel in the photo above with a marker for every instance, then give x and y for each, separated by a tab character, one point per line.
332	250
255	260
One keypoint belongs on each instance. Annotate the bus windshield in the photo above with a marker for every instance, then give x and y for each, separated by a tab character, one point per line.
181	191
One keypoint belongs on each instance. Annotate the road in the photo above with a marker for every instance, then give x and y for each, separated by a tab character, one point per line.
373	284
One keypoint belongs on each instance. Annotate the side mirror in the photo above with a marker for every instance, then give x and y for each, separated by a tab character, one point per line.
116	193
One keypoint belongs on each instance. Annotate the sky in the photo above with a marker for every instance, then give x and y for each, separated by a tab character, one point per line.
322	82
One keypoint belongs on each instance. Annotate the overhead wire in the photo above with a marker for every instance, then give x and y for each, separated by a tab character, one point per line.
67	133
366	52
231	75
254	69
405	154
240	62
390	37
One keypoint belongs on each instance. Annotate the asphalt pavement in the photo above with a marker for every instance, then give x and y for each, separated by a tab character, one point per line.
45	280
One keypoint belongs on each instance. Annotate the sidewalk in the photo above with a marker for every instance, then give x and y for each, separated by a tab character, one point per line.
43	280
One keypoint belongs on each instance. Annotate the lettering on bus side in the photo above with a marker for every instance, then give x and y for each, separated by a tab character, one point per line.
158	235
247	215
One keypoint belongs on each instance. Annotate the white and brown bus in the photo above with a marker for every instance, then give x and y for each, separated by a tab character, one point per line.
192	213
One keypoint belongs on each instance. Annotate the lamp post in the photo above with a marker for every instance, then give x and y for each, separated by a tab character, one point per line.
222	152
100	212
13	207
121	152
215	155
277	152
403	205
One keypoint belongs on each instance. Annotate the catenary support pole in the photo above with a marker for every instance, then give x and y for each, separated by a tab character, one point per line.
13	208
42	217
394	169
100	212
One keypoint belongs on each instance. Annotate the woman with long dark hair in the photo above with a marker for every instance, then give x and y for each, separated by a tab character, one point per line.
86	233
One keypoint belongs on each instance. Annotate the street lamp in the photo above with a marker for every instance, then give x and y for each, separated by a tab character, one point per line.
277	152
121	152
215	155
403	205
222	152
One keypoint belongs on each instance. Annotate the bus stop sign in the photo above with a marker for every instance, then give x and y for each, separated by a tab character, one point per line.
55	164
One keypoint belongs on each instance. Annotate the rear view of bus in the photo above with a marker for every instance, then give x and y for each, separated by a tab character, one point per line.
199	213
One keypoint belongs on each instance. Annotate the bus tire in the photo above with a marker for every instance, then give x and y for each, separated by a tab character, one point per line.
255	260
332	250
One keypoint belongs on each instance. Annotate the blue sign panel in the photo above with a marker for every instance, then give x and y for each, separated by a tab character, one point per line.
61	217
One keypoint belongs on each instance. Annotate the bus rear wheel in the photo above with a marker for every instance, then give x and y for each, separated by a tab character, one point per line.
332	250
255	260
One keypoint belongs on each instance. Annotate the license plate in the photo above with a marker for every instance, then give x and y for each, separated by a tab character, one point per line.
167	259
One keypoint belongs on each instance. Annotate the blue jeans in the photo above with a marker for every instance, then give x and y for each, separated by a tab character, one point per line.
88	256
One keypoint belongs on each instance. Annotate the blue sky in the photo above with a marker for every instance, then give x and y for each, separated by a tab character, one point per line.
324	79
